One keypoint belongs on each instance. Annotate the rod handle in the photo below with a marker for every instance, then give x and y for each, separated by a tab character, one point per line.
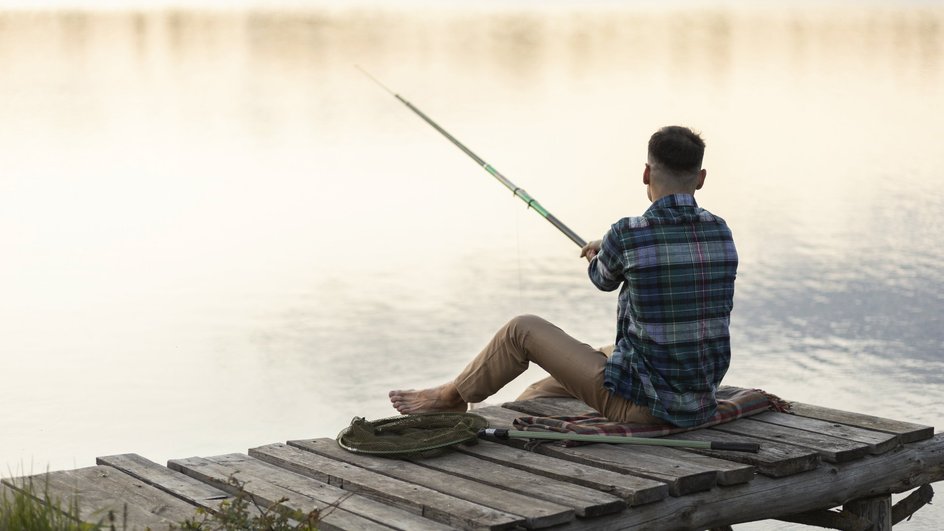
735	446
494	433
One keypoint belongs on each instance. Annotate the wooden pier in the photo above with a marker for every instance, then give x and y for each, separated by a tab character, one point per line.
816	466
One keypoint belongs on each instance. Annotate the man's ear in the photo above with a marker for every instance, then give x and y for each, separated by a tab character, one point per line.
645	174
701	178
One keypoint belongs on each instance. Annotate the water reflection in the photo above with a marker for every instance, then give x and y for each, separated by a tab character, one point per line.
199	202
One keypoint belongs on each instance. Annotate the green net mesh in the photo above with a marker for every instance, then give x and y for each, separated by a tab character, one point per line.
411	435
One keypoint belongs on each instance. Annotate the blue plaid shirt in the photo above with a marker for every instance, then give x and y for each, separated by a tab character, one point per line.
676	264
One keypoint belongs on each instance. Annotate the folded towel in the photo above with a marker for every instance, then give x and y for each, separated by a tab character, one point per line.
733	403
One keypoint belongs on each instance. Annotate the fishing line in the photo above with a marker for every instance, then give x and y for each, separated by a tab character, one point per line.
518	255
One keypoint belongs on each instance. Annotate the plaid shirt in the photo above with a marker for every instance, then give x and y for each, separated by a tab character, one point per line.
677	264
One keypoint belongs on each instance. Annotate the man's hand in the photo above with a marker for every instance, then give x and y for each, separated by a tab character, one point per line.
591	249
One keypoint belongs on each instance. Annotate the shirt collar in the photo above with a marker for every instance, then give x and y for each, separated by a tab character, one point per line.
674	200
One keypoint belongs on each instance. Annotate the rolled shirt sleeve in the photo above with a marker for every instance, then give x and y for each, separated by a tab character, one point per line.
606	268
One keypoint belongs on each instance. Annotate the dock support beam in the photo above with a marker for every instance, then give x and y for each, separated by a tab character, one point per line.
857	515
914	501
877	509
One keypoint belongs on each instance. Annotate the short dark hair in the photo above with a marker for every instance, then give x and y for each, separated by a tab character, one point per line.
677	148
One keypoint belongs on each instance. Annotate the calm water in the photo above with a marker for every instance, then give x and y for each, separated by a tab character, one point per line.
216	233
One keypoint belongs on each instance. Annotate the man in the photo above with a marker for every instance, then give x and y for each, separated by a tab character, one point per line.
676	264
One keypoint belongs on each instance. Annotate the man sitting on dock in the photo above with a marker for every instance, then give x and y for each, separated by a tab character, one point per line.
676	264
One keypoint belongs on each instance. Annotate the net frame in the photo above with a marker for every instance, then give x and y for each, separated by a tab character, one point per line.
421	434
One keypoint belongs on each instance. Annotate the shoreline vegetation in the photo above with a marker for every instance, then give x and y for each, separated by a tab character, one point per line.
25	507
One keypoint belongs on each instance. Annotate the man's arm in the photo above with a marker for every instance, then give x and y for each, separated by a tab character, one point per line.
605	269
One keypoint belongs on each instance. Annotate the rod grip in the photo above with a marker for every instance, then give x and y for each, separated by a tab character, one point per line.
495	433
735	446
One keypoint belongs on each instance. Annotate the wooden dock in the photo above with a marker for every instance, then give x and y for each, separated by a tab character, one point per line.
812	461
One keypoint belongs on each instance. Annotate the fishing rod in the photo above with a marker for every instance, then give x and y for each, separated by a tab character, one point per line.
519	192
504	434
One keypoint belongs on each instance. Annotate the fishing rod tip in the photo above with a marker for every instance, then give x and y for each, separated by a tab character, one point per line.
374	79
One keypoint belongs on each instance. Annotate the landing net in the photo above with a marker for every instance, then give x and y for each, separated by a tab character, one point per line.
411	435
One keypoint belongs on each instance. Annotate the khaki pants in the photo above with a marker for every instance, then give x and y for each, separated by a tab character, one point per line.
576	369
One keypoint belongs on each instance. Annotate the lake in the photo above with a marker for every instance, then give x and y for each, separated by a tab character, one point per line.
217	233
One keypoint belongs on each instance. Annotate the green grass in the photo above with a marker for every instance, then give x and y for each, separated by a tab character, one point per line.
26	508
22	510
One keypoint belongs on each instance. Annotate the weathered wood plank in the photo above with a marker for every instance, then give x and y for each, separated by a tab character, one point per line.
266	495
260	471
830	485
99	490
681	478
267	484
729	472
877	442
906	431
184	487
584	501
537	513
773	459
831	449
175	483
635	491
414	498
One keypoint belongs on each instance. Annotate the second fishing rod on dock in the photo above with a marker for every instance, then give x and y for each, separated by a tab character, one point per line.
518	192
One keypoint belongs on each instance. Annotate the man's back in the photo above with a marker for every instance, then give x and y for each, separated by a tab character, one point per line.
676	264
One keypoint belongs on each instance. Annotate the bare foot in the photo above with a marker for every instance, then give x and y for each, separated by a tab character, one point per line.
437	399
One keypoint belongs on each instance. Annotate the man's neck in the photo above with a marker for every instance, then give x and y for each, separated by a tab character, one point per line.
659	194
